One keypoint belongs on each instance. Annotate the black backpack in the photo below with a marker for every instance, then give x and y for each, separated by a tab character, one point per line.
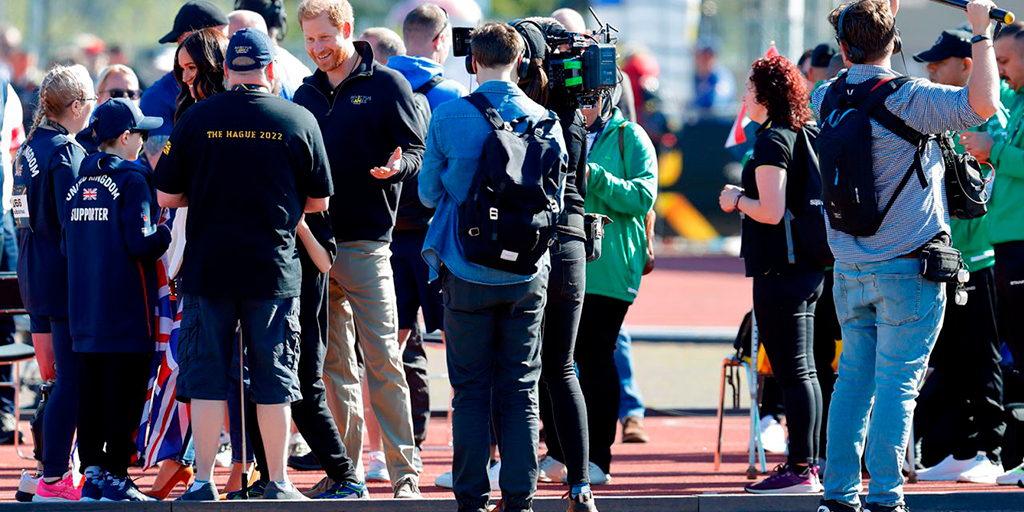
806	239
844	152
419	96
508	219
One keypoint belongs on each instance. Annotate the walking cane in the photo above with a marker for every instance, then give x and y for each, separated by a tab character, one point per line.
241	399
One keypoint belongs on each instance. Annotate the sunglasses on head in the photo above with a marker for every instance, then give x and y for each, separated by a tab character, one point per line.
124	93
447	22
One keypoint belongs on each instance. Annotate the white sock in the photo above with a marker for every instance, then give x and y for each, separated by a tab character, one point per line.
198	484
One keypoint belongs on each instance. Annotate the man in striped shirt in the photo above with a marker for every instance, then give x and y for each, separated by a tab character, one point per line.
890	314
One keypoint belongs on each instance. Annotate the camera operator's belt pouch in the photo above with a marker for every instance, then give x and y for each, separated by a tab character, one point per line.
594	227
940	262
572	224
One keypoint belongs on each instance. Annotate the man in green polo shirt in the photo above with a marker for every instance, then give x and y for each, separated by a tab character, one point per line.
966	356
1004	223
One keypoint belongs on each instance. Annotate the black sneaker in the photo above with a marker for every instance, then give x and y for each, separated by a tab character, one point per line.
123	489
305	462
837	506
874	507
207	492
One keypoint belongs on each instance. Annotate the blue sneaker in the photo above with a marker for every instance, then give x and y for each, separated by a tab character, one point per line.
123	489
344	491
95	481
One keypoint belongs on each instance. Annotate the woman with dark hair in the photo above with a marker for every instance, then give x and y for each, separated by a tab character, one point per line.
566	284
199	67
199	71
785	289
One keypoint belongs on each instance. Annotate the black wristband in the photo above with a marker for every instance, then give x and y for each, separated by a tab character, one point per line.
979	38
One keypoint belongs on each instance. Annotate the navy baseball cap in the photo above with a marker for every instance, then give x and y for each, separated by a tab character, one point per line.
952	43
822	55
249	49
117	115
195	15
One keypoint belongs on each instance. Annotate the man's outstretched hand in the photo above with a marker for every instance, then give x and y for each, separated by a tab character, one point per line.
394	165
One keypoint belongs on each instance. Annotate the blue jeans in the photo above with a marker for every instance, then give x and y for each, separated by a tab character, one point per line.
631	402
890	317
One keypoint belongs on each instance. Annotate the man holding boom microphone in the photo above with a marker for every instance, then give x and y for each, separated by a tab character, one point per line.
890	314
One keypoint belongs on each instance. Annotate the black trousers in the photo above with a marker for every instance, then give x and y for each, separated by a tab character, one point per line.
784	310
599	379
826	332
113	394
563	408
414	359
966	360
1010	293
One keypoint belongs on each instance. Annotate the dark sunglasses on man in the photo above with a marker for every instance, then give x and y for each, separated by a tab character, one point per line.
130	94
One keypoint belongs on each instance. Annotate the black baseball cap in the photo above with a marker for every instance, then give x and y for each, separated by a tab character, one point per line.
952	43
822	55
249	49
195	15
118	115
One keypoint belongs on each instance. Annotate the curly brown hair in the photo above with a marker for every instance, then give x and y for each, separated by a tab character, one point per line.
779	86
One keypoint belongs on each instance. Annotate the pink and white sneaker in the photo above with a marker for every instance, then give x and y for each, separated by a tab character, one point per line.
61	490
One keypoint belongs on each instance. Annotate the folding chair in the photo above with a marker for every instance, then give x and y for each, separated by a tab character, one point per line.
730	369
10	304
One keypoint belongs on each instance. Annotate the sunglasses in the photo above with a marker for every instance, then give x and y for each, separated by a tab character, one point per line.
144	133
447	23
124	93
83	100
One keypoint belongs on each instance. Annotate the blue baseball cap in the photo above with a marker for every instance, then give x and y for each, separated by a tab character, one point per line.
118	115
249	49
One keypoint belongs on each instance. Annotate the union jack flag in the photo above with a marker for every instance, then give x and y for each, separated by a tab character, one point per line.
89	194
165	423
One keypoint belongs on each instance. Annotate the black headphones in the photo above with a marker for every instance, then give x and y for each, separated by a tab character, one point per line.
856	54
275	16
528	50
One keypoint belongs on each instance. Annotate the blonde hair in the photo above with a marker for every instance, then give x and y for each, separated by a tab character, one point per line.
61	88
114	69
338	11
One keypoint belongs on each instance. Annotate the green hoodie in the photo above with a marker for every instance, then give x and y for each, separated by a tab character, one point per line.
625	193
970	236
1005	219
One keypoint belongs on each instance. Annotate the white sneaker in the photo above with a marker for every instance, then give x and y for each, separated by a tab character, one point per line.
297	446
27	486
223	457
946	471
773	435
493	473
597	477
378	470
445	480
982	471
1014	476
550	470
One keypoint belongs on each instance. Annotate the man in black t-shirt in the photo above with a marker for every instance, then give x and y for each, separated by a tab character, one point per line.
247	164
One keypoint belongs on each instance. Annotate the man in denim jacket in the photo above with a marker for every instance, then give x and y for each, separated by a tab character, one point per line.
492	318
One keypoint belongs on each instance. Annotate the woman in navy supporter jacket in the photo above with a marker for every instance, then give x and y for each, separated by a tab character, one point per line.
112	244
47	165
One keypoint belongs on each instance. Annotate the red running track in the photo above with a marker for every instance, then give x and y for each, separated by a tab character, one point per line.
678	461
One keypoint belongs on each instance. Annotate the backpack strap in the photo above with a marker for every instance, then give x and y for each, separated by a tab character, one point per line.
622	145
490	113
429	85
881	91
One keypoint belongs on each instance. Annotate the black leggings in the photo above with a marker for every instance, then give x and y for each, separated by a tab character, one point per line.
1010	293
784	310
113	395
826	332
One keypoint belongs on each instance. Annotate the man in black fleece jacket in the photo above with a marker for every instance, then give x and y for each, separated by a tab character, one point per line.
369	121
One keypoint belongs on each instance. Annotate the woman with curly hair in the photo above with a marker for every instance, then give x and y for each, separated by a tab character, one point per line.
785	289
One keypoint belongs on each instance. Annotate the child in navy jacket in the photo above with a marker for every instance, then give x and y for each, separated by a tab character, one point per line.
112	243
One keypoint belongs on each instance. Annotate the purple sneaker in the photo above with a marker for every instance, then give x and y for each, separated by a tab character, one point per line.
786	481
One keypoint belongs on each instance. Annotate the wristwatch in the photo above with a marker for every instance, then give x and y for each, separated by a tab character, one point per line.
736	203
979	38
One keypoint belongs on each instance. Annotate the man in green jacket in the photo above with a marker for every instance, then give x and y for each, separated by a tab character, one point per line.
966	356
1004	223
622	181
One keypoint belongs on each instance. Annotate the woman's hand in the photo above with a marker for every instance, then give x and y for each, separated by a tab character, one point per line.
729	197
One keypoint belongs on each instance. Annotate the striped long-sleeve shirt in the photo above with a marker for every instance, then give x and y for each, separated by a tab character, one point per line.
918	214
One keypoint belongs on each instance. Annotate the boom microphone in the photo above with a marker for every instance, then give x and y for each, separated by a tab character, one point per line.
1000	15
